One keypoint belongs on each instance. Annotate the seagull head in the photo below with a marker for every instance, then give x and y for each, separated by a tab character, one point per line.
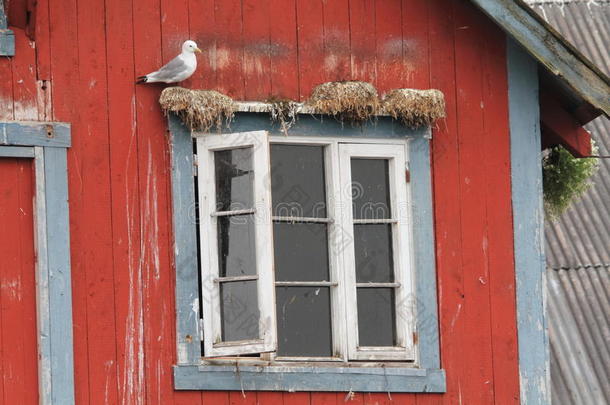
190	46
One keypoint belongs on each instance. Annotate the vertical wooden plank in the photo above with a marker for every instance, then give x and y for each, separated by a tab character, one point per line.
310	30
337	64
229	48
153	162
215	398
174	27
96	212
18	354
270	398
24	79
297	398
446	193
26	186
389	45
257	49
126	246
478	377
242	397
363	40
528	222
60	274
43	41
203	31
416	47
150	126
284	54
6	89
499	222
326	398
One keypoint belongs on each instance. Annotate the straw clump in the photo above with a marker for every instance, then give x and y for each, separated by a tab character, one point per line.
283	111
415	108
351	101
199	109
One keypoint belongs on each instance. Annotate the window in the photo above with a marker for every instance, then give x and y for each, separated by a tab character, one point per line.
305	248
304	262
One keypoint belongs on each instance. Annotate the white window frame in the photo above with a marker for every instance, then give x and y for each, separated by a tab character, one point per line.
344	317
206	146
401	248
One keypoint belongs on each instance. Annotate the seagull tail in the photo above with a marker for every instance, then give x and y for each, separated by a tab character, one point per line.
142	79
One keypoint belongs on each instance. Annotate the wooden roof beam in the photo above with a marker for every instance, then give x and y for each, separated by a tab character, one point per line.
559	127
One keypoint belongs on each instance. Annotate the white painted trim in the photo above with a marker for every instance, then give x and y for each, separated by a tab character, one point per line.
206	146
401	237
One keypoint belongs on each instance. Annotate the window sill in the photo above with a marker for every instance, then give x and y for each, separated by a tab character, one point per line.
304	378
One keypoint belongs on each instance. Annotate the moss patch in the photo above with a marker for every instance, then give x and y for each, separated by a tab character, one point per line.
349	101
199	109
564	178
415	108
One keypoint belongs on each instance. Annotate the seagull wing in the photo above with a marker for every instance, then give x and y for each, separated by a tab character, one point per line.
170	72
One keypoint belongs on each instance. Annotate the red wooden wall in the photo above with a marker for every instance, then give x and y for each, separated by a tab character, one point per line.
18	357
81	70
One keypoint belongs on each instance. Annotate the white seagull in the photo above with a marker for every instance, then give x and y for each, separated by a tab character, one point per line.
177	69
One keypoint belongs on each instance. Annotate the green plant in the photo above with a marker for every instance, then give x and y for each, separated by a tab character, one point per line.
564	178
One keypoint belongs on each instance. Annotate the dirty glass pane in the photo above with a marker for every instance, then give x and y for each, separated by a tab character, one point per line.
303	321
234	179
370	189
297	181
239	311
301	252
376	317
236	246
373	248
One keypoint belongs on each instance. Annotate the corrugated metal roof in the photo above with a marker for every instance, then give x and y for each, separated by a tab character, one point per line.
578	243
579	331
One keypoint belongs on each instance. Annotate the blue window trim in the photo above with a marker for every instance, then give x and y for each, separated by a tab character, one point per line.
7	38
46	144
191	374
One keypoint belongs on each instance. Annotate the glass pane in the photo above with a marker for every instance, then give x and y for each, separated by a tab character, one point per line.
239	311
303	321
236	246
370	189
297	181
376	317
234	179
301	252
373	248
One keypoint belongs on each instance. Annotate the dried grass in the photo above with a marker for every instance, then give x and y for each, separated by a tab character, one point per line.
415	108
351	101
199	109
283	111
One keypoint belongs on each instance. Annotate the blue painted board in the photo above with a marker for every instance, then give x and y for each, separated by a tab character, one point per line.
16	151
528	223
7	42
185	243
59	282
311	379
24	133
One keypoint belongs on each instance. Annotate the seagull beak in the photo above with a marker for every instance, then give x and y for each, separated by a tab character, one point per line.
198	50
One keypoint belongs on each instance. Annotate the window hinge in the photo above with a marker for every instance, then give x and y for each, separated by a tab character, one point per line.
407	174
201	329
195	165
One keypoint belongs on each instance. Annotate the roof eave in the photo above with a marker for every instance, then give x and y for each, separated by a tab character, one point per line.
552	51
